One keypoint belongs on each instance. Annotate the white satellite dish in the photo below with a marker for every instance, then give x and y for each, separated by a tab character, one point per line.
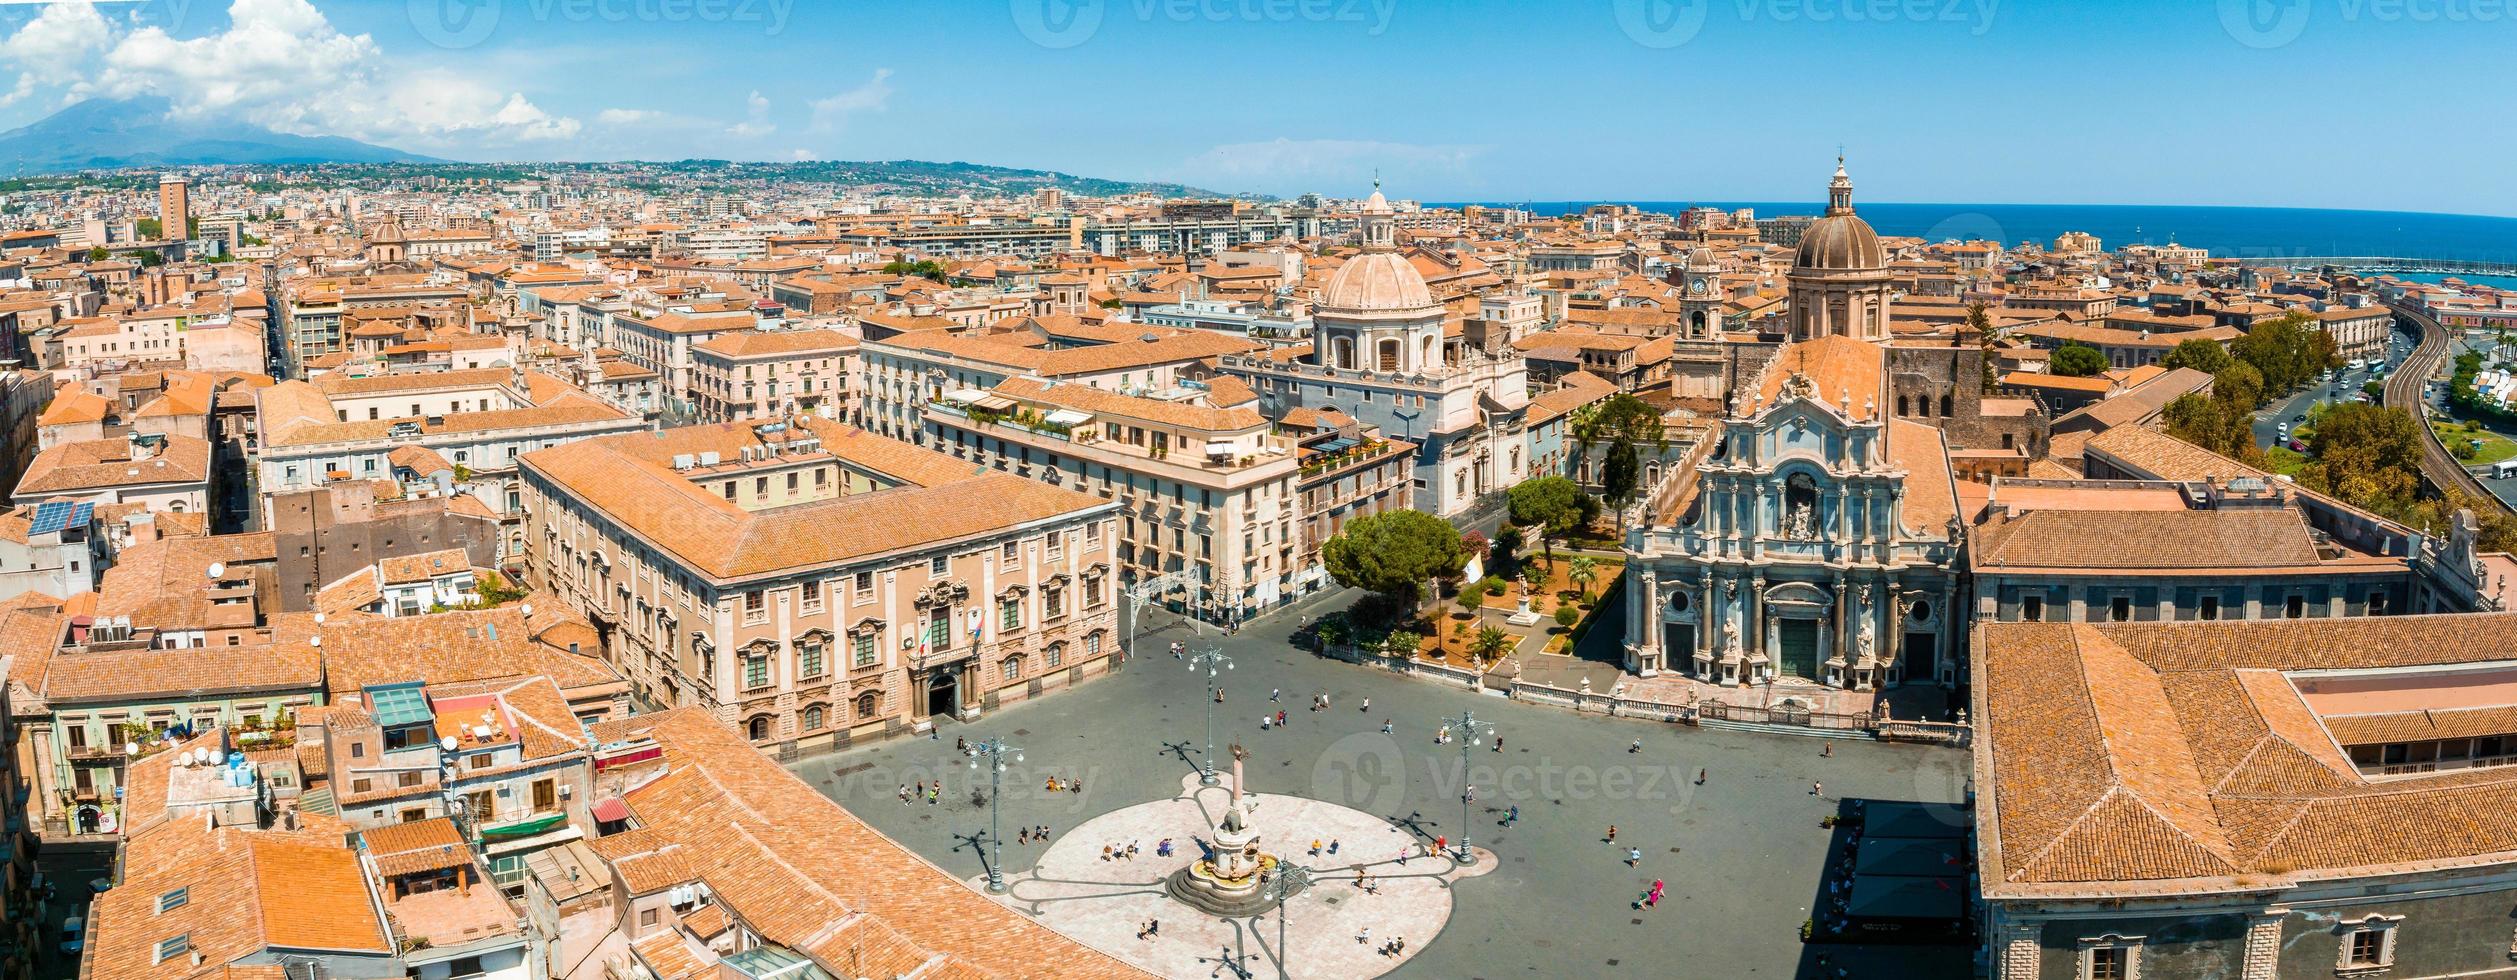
447	743
217	568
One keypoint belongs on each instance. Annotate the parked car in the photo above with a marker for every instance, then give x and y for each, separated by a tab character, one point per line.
73	935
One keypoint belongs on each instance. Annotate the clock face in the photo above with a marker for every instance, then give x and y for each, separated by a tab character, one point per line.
1695	286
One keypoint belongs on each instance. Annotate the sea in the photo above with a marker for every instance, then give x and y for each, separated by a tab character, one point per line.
2248	233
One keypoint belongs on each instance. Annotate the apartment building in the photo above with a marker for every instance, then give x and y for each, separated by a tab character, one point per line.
812	584
762	374
309	434
1206	494
907	371
307	312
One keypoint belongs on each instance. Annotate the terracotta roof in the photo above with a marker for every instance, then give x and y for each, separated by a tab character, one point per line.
94	464
931	498
1837	366
2241	537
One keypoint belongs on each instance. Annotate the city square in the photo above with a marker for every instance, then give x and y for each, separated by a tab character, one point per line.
1743	854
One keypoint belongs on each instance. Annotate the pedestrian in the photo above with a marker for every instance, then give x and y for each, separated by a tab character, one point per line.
1022	836
1274	693
1498	743
1442	735
1817	788
1612	833
1367	706
1385	726
1075	785
1634	857
1105	852
935	793
1280	716
1131	850
1332	847
1442	843
1652	899
1265	721
1634	748
1512	816
961	745
904	794
1826	751
1699	776
1364	937
1162	848
1315	847
1219	695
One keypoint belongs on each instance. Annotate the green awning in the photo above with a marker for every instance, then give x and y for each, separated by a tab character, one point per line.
524	828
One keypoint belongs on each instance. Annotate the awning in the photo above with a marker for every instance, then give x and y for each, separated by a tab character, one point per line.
610	809
961	396
494	846
1068	416
1903	897
1218	447
524	828
994	403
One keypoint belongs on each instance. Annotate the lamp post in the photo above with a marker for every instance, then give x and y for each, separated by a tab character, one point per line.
993	752
1289	880
1213	659
1468	728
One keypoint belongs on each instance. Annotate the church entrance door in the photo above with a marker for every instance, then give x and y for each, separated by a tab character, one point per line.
1919	662
1799	641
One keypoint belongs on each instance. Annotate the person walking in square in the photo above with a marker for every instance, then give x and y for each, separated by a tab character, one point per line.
1634	857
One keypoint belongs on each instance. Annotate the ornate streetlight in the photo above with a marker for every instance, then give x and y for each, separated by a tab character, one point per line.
993	752
1469	727
1213	659
1289	880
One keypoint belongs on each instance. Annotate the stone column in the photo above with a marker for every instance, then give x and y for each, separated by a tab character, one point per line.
1755	636
1649	596
2263	944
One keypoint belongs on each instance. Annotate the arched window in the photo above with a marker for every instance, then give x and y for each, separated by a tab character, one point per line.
1945	402
1054	657
1012	667
1696	322
758	728
813	718
1431	357
1903	407
867	704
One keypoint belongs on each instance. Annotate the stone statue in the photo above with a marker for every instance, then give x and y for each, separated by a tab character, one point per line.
1863	642
1801	523
1730	639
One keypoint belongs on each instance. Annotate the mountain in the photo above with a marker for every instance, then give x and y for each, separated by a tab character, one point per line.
110	134
928	177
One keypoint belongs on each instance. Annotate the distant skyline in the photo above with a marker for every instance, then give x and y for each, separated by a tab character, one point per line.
2283	103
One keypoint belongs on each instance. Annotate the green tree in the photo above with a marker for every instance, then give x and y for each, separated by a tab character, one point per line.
1551	505
149	229
1393	552
2289	350
2367	455
2076	361
1491	644
1566	616
2206	356
1625	424
922	268
1987	340
1582	572
97	254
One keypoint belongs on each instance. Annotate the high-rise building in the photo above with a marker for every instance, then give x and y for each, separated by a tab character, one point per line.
174	204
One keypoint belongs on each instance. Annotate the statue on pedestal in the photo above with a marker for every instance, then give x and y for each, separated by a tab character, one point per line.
1226	882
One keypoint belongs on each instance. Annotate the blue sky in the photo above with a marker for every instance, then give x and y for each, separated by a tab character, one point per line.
2386	104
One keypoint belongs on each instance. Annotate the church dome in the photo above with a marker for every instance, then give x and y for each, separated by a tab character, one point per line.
1841	240
1376	282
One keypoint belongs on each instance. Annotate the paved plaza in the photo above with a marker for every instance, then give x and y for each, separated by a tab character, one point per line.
1743	855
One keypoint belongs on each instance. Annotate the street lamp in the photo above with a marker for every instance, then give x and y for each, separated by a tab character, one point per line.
1289	880
1468	728
1213	659
994	751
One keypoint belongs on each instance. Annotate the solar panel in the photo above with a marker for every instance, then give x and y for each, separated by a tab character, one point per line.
81	514
50	517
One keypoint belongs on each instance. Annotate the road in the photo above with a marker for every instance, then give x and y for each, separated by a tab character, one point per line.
1744	855
2345	386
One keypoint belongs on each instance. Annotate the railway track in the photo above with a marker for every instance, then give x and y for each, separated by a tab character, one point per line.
2404	390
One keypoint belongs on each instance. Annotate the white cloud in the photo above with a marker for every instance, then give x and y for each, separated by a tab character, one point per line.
281	64
627	117
757	106
872	96
62	34
801	155
1331	164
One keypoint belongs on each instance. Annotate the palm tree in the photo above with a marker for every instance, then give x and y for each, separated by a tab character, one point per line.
1583	572
1491	644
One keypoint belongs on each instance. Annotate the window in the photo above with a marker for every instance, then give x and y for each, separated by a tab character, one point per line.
2295	607
939	565
2119	610
2377	603
170	948
813	718
755	671
2032	609
407	779
812	594
2110	958
1013	552
1012	668
362	785
1054	657
1092	645
173	900
867	704
2368	946
646	918
863	653
545	795
1009	614
1052	603
809	658
864	586
2210	607
482	761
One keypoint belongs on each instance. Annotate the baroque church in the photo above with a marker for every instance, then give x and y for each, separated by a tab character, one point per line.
1816	536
